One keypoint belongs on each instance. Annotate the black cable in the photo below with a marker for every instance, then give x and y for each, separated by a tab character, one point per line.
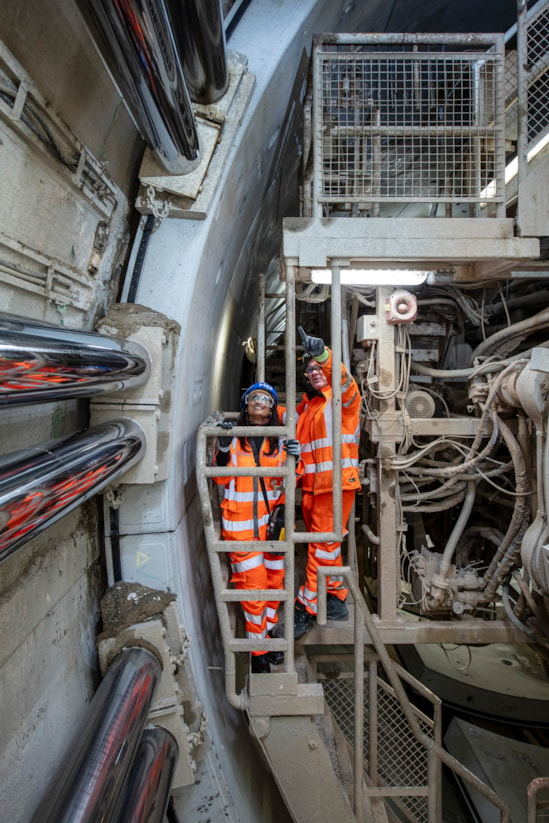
229	31
114	529
170	812
140	258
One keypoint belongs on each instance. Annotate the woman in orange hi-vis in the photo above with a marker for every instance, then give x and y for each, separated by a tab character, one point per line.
314	432
245	509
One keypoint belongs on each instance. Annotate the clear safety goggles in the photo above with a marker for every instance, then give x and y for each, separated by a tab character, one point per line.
311	369
262	399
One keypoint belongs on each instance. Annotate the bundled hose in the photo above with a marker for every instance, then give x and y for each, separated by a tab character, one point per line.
509	550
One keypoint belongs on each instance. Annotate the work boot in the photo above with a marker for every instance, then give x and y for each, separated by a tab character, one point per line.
276	658
336	608
303	621
260	664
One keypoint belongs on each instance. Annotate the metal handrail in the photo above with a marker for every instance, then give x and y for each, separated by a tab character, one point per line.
534	787
216	547
363	622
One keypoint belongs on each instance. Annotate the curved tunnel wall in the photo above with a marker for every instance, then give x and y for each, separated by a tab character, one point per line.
204	276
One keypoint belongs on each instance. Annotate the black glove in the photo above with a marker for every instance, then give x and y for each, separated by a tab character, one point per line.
225	442
292	447
312	345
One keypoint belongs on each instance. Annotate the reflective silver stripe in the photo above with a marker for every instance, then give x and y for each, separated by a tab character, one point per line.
256	635
316	468
350	400
325	443
247	565
271	614
276	564
243	525
239	497
325	467
248	497
346	383
256	619
308	598
328	422
320	444
326	555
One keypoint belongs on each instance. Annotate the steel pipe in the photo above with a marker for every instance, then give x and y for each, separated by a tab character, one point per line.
135	39
40	362
200	39
41	484
89	781
147	789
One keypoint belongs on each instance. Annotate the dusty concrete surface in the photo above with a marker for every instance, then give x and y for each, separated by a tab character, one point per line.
125	319
125	604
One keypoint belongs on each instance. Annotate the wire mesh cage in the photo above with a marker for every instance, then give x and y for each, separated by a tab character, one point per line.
413	121
537	62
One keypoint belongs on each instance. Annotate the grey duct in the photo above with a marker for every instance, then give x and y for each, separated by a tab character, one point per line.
135	39
45	363
200	39
88	783
41	484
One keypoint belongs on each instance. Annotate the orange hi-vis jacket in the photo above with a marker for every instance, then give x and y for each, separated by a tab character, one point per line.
243	509
245	516
315	434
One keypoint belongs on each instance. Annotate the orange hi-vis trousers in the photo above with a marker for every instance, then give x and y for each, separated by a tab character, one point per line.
258	570
318	516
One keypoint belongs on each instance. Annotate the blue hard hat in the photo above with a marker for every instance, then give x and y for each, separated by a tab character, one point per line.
266	387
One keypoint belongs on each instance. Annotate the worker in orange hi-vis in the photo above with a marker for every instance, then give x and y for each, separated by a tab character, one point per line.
315	435
245	509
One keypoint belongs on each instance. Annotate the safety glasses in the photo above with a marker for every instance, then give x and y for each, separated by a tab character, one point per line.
262	399
311	369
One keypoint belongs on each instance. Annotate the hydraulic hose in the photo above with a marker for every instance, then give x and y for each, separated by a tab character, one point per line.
507	553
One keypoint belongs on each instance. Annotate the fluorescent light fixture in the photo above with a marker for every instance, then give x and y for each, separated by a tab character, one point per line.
372	277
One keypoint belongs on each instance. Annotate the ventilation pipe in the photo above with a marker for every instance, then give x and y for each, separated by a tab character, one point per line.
136	41
147	790
46	363
41	484
200	39
89	782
